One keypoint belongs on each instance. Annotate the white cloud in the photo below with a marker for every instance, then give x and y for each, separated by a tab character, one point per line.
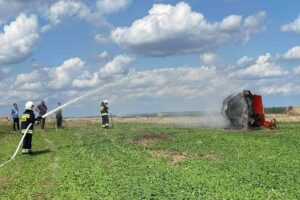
32	76
293	27
296	70
86	80
207	85
18	39
102	39
231	23
119	65
108	6
293	54
279	89
55	78
3	72
72	74
12	8
62	75
263	68
245	61
170	83
104	55
177	29
254	24
36	86
210	58
181	82
64	9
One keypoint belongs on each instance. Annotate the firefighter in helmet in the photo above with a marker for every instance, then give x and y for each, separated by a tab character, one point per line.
104	113
27	118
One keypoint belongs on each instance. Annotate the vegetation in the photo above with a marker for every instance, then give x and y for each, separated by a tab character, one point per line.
152	161
275	110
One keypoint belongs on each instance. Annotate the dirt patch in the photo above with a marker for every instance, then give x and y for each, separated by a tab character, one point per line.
74	122
54	164
176	157
179	157
5	182
209	157
38	196
48	184
49	143
149	139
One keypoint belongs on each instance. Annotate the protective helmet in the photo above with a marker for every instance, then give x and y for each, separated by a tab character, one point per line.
29	105
105	101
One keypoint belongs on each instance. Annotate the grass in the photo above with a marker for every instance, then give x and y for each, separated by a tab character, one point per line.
87	162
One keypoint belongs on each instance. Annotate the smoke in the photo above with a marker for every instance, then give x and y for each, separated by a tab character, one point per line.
207	120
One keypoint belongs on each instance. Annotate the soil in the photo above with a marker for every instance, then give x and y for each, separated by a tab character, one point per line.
5	182
209	157
179	157
176	157
149	139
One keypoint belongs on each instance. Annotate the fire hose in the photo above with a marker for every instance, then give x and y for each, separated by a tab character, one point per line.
47	114
18	147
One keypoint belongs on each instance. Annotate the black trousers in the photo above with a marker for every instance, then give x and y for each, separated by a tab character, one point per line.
16	124
105	120
58	121
42	122
27	141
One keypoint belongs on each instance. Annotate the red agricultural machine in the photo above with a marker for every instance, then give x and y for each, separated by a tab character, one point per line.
245	111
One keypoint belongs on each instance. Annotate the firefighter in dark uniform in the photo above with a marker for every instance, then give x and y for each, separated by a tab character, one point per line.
27	118
104	114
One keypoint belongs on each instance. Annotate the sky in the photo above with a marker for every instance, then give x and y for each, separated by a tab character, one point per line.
148	56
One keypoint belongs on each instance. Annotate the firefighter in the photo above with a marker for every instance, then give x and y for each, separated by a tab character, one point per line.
27	118
104	114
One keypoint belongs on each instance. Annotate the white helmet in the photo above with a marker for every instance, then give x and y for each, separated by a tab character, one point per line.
105	101
29	105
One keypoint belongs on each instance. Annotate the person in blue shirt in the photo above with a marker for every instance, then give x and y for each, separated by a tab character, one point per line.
14	115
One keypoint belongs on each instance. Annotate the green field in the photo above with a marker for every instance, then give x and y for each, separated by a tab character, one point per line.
152	161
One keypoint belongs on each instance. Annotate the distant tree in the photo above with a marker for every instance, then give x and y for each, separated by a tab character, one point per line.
275	110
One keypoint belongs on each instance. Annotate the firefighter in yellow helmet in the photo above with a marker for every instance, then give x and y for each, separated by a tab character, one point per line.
104	113
27	118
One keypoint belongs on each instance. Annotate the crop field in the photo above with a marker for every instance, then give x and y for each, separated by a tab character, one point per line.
139	160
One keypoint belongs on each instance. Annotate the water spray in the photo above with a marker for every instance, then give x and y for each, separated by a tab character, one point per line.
71	102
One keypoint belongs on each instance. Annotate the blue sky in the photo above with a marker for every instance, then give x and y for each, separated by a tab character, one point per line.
148	56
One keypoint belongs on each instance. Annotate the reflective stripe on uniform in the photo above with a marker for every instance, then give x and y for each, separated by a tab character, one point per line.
29	131
24	117
104	114
25	150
